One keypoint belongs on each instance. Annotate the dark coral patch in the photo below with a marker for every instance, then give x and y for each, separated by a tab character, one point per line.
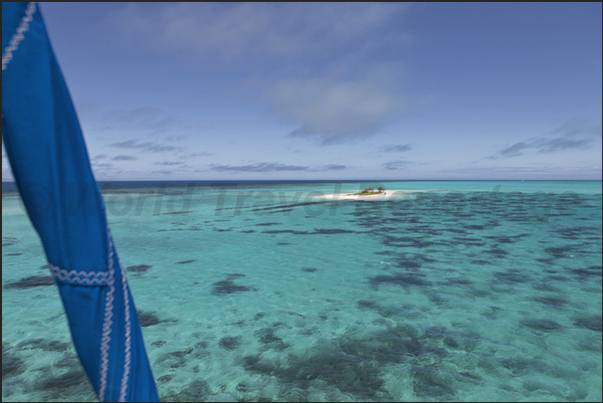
437	332
54	345
353	365
69	361
12	365
176	212
176	359
552	301
511	276
266	336
230	343
202	344
497	252
327	231
228	287
592	322
335	368
139	269
165	378
9	241
408	264
564	251
253	363
31	282
458	281
196	391
542	324
67	380
401	279
432	382
364	304
520	366
474	227
285	231
65	386
180	353
588	272
331	366
148	318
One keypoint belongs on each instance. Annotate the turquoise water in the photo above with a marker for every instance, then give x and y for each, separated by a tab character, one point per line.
453	291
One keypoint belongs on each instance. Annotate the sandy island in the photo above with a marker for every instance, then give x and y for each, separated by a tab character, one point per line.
387	194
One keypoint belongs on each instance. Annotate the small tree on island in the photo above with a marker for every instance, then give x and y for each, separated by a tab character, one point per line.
368	191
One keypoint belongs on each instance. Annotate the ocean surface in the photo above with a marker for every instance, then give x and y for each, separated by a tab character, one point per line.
255	291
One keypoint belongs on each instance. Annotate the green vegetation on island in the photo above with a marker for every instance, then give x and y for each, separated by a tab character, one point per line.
369	192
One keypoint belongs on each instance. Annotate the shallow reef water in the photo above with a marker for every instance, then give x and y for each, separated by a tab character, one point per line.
454	291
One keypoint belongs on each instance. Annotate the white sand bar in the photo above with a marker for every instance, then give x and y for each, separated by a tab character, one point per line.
388	194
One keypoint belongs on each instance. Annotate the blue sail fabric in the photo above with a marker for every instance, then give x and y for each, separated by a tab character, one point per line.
50	164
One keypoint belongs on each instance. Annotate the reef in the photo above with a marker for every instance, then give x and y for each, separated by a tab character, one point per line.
31	282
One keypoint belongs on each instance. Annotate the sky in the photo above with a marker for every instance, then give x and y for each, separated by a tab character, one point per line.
337	91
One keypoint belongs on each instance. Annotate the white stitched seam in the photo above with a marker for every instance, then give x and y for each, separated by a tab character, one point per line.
106	332
18	36
128	341
79	277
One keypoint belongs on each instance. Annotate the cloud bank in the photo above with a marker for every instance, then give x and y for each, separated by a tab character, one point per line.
146	146
317	66
334	112
573	134
243	30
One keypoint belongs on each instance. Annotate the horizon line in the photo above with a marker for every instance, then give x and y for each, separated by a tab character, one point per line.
342	180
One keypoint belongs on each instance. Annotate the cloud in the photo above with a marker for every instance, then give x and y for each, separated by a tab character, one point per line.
395	165
102	165
334	167
511	151
200	154
254	30
543	146
560	144
578	127
258	167
146	118
146	146
274	167
395	148
317	66
162	172
332	111
124	158
168	163
573	134
103	169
